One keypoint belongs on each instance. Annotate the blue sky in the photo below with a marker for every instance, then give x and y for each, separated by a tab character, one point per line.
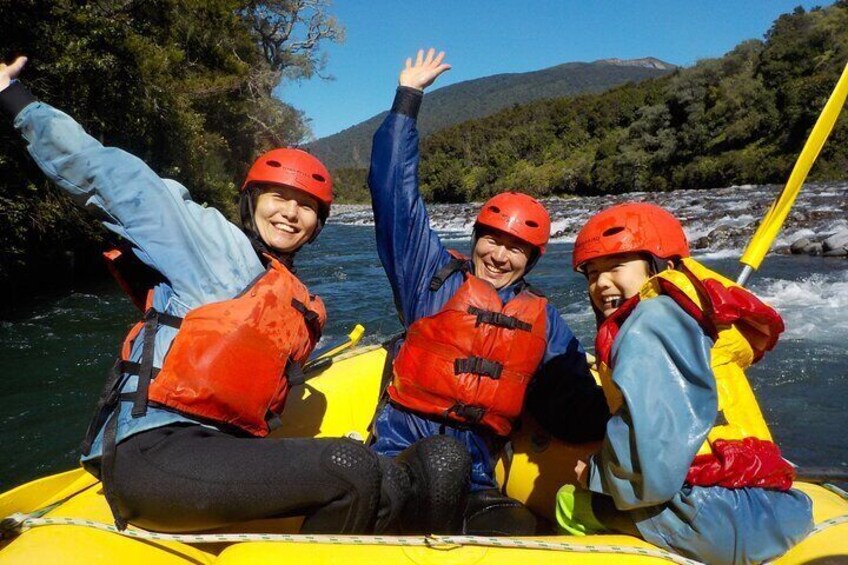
502	36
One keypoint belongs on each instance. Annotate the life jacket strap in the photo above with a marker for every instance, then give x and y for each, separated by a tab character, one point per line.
152	320
133	368
478	366
498	319
470	414
106	403
294	373
313	321
273	420
107	468
452	266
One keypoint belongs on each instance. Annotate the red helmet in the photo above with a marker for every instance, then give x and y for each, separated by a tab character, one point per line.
295	168
519	215
629	228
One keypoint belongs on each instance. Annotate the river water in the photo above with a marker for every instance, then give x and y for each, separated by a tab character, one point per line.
55	350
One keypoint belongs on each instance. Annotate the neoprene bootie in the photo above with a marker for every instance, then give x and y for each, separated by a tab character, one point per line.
439	469
395	491
490	513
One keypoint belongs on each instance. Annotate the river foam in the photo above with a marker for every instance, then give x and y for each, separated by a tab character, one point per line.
814	308
715	220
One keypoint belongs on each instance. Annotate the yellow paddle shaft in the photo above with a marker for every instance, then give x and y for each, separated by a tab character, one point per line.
352	339
776	215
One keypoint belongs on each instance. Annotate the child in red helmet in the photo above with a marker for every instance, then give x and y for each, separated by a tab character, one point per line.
688	461
179	436
480	341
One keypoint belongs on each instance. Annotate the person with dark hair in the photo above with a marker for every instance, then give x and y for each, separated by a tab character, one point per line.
179	435
688	462
480	340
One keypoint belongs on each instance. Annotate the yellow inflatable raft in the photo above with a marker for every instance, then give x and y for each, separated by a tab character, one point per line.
65	519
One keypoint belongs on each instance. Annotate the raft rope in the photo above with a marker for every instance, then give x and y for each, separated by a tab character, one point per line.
21	522
444	542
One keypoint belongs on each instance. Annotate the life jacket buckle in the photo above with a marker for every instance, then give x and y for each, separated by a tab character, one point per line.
478	366
470	414
498	319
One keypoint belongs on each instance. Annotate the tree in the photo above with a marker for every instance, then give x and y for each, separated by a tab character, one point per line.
187	85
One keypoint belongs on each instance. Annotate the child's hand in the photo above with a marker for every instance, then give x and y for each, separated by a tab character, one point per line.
424	71
8	73
581	470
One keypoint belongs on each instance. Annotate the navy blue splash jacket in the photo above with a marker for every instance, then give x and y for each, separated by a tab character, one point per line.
563	396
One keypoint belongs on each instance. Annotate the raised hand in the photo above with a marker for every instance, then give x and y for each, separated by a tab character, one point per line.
425	70
8	73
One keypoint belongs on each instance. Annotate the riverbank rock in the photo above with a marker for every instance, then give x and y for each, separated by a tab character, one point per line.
806	246
834	245
724	237
800	246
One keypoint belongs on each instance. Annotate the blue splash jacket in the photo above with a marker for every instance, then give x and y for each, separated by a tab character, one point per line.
563	396
661	364
203	257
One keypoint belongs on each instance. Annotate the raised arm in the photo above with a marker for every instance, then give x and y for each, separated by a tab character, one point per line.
662	367
195	248
409	249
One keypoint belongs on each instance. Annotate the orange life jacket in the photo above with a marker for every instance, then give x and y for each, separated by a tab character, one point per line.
229	361
471	362
228	364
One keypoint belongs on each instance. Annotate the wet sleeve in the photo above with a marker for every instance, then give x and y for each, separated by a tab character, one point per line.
409	249
195	248
661	361
15	98
564	397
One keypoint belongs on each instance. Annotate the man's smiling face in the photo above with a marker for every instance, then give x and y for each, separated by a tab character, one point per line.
500	258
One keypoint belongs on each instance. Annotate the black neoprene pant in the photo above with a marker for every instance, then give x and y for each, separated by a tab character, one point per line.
189	478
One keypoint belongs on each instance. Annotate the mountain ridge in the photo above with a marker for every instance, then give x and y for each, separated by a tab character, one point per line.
483	96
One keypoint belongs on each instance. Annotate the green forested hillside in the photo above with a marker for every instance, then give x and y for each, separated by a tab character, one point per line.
484	96
184	84
739	119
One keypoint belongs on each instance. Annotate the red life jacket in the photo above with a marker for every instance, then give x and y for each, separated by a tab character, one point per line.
471	362
229	361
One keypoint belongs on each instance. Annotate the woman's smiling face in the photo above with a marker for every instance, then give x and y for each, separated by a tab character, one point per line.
285	217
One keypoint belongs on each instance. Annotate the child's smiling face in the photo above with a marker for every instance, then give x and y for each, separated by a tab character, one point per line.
615	278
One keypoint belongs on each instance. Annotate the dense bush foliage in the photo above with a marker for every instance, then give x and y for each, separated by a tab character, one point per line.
184	84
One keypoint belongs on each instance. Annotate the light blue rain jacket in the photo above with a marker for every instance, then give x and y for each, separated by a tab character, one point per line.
661	363
203	257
